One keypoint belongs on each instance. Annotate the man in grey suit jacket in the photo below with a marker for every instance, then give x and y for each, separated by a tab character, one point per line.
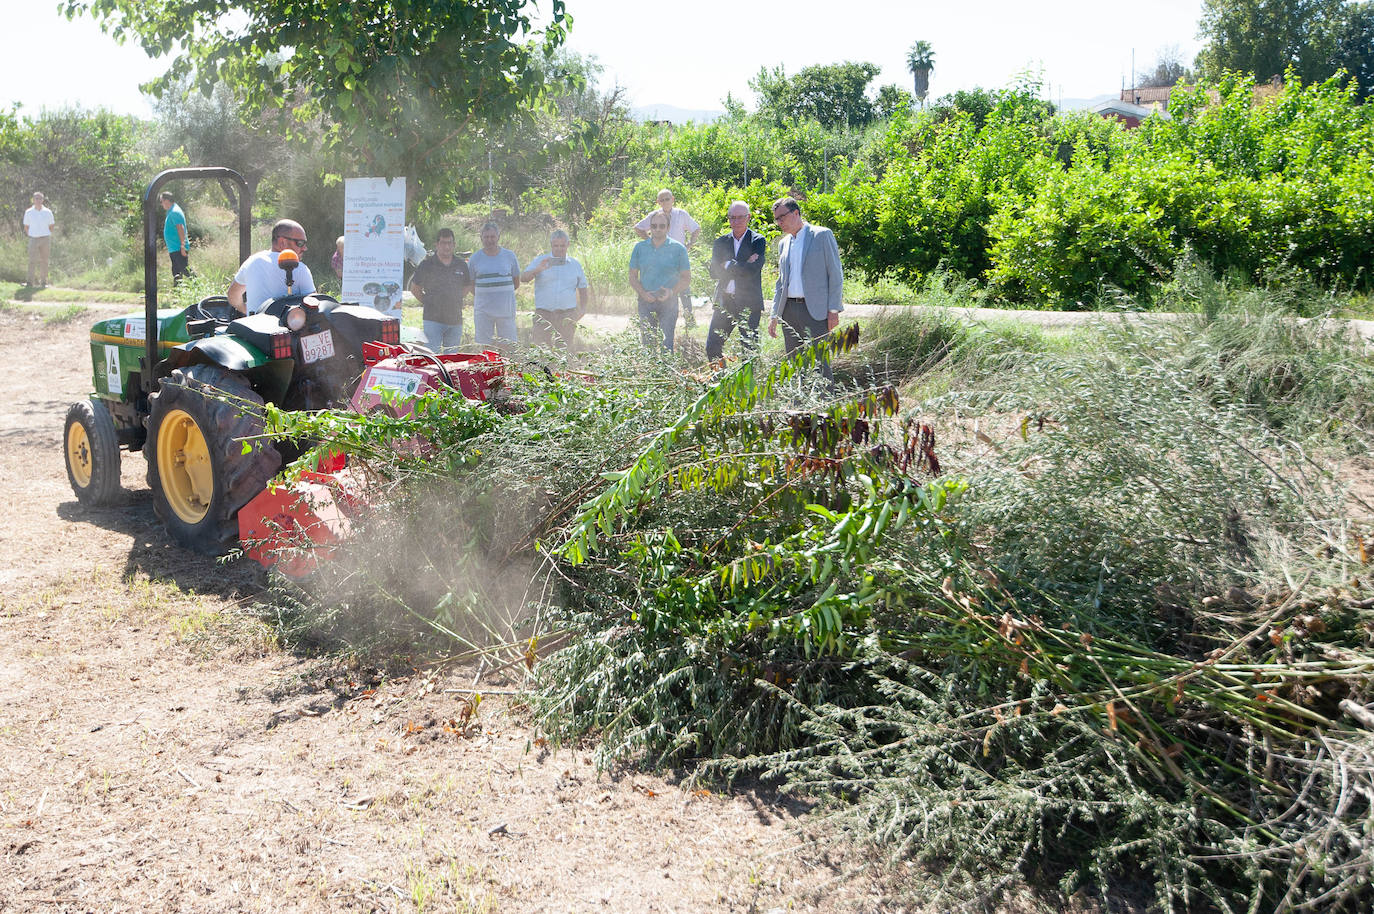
808	296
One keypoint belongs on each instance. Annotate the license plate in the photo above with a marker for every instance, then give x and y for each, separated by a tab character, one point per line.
317	346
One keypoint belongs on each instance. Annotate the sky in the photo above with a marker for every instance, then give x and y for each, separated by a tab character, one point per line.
689	55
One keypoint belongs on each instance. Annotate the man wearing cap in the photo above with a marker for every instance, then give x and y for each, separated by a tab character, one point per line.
261	279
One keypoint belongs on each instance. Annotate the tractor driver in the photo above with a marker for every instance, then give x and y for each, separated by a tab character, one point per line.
260	279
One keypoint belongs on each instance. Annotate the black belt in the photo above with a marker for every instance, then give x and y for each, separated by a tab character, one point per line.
800	300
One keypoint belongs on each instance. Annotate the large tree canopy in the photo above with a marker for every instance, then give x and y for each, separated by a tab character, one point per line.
835	95
1266	37
1355	46
401	86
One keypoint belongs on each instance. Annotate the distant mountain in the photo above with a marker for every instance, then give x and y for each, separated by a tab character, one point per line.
1083	104
673	113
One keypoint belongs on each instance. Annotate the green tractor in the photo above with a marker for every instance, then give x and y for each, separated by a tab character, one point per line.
187	388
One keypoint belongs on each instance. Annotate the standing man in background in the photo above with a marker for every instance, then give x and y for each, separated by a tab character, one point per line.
560	293
683	229
39	223
495	277
737	268
659	273
808	297
174	233
439	284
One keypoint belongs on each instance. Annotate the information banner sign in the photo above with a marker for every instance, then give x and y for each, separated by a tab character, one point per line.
374	242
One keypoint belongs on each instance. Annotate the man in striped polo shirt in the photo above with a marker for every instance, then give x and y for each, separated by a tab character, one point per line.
495	277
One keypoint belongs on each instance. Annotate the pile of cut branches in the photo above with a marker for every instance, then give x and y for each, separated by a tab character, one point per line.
1093	616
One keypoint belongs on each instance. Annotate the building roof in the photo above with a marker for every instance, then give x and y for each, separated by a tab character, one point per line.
1125	109
1149	95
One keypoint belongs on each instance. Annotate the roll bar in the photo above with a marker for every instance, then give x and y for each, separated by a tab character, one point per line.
229	180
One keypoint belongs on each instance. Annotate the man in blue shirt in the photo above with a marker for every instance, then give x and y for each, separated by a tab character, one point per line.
660	271
174	233
560	293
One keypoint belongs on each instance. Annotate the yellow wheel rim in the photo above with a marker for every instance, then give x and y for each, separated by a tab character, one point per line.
79	459
183	465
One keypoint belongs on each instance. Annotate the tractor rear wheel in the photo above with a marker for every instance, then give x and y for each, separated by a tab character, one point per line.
198	423
92	451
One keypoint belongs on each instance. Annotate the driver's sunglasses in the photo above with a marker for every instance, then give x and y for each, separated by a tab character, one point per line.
298	242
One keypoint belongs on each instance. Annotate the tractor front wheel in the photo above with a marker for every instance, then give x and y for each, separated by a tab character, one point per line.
92	451
199	422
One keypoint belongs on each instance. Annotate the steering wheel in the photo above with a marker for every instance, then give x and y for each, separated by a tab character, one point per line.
215	308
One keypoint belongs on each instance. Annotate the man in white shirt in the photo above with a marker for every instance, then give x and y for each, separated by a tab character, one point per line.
560	293
683	229
261	279
38	225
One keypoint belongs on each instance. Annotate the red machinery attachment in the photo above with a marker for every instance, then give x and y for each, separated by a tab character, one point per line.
395	375
294	527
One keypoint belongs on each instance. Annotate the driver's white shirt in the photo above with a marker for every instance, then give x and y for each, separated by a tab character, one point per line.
264	280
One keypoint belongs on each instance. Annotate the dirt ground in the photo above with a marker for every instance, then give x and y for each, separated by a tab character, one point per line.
158	752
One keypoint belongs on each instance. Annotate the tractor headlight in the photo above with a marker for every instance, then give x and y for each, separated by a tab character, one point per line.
295	318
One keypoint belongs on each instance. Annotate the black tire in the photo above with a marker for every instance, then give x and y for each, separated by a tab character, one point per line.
91	448
200	504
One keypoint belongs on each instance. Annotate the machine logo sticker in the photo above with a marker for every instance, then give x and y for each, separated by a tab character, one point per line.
135	329
113	383
403	382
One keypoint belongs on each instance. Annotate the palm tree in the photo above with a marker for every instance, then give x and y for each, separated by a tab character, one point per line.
920	60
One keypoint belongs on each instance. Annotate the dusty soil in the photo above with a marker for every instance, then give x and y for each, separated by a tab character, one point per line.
159	752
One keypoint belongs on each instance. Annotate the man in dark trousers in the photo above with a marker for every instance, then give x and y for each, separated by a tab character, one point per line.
174	233
737	268
808	298
439	284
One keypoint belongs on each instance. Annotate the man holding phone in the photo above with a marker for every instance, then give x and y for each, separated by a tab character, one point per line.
660	271
560	293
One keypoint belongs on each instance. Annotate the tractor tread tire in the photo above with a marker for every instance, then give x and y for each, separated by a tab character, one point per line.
103	489
228	412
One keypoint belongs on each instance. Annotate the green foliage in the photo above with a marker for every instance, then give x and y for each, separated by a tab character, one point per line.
833	95
212	128
1105	644
402	87
1355	47
1093	666
1266	38
85	162
1059	212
